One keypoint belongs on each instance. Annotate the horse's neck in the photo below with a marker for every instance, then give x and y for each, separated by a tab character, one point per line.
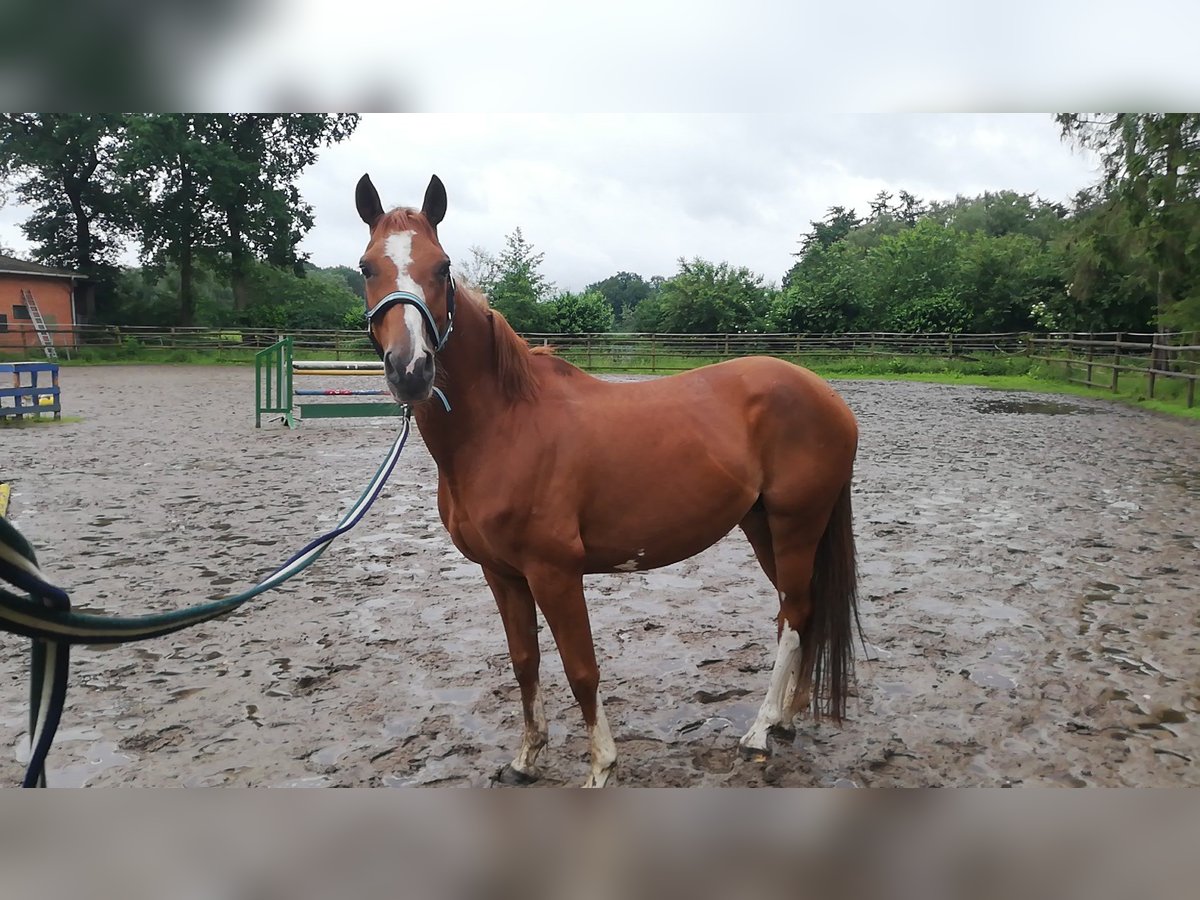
468	377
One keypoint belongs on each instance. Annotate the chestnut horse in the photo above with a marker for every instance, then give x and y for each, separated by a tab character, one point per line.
547	474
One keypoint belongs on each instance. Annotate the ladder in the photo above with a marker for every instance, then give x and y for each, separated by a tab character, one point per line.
39	325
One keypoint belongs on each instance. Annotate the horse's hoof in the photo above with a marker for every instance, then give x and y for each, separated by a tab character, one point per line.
754	754
604	779
513	777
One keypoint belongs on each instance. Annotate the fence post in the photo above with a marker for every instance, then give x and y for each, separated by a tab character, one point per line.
653	353
1090	351
1116	370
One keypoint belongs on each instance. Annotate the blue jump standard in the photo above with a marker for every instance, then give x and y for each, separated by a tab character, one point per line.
31	392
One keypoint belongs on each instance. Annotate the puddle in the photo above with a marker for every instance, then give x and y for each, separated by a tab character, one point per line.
312	781
986	676
100	757
330	756
1029	407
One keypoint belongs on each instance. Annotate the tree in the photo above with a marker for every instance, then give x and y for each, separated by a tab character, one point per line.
1152	177
585	313
64	166
479	268
838	223
828	291
168	167
1100	259
279	299
252	184
709	298
352	277
518	289
622	291
997	213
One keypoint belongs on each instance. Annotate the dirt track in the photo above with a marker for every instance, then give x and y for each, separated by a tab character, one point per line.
1029	584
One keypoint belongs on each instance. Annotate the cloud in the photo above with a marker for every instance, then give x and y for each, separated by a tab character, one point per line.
608	192
600	193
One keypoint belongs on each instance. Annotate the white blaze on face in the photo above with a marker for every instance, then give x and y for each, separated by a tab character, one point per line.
398	248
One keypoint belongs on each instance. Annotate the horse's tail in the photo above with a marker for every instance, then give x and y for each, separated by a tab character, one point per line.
829	638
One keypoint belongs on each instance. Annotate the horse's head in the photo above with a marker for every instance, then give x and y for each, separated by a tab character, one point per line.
410	294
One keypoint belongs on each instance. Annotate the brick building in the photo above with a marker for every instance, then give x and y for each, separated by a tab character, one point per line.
54	292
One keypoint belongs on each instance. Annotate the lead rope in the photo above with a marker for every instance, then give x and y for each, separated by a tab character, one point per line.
45	614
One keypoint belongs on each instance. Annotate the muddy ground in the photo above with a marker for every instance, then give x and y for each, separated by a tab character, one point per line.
1029	584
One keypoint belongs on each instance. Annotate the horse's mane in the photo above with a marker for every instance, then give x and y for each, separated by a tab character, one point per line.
514	356
402	218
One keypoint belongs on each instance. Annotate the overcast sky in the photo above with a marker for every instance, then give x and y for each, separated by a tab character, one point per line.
600	194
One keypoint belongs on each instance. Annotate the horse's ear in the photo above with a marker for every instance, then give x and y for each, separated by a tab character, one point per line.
367	199
434	206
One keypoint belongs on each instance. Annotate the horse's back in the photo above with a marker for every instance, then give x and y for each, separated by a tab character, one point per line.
754	391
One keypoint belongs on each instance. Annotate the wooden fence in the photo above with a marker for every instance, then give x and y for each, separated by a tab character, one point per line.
1101	359
658	352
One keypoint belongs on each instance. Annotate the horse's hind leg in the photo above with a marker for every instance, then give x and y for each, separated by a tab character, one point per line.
793	552
520	626
559	595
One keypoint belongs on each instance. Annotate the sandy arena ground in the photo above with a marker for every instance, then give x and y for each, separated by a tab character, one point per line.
1029	585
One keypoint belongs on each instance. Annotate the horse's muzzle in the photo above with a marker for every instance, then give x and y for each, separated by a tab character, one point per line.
412	382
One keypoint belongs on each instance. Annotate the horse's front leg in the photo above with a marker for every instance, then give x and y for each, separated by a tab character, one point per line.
520	626
559	595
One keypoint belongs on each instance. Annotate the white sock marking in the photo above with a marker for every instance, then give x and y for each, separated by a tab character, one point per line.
604	749
783	675
534	738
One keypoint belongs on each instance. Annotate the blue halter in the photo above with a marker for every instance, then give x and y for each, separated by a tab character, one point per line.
408	298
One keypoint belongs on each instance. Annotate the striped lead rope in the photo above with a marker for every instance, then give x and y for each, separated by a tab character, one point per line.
45	616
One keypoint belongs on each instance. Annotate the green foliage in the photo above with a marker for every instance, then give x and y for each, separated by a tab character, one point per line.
276	298
623	292
64	166
940	310
517	289
150	296
705	297
1151	200
827	291
352	277
281	300
586	313
975	265
838	223
1000	213
194	190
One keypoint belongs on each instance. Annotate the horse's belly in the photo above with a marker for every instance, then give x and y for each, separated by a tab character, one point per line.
661	524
